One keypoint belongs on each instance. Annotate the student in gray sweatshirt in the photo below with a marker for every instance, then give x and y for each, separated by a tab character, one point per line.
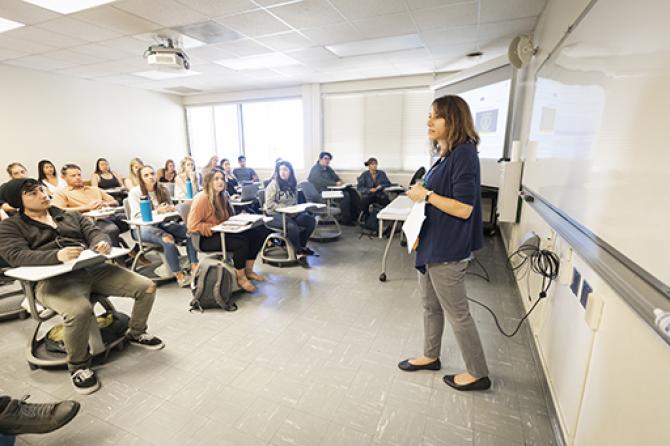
282	192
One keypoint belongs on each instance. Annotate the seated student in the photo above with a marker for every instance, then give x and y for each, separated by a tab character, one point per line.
42	234
165	233
282	192
321	175
186	172
46	174
168	173
15	170
133	178
104	177
272	177
231	181
212	207
371	184
213	163
80	198
244	173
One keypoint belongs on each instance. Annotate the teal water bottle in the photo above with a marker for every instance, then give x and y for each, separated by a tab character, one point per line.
189	188
145	209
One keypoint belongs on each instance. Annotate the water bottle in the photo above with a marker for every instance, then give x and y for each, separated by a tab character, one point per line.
189	188
145	209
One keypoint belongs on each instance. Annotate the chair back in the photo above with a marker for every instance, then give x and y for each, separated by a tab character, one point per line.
311	194
249	191
417	175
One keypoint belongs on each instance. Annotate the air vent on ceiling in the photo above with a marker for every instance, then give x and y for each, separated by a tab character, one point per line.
184	90
209	32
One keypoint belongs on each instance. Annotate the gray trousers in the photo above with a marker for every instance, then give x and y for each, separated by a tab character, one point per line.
442	290
69	296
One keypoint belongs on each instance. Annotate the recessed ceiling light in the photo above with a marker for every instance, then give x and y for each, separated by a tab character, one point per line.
6	25
258	62
67	6
162	75
376	46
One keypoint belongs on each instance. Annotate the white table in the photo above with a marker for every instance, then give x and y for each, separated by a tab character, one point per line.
240	203
296	209
182	200
30	275
397	189
340	187
396	211
103	212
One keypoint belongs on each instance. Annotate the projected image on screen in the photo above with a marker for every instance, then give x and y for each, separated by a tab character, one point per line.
489	106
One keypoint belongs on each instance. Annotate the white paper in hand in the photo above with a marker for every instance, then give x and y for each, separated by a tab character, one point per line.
412	226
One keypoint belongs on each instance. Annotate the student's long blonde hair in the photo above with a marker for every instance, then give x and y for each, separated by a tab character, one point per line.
217	200
134	177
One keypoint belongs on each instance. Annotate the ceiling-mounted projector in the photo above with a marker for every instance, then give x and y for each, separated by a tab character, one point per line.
520	51
167	54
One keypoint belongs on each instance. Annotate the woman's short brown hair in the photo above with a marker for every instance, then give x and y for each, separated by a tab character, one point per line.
459	126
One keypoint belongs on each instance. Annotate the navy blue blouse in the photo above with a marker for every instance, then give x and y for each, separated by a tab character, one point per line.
445	238
365	182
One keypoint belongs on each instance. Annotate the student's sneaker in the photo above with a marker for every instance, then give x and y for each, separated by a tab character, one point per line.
185	282
85	381
147	341
19	417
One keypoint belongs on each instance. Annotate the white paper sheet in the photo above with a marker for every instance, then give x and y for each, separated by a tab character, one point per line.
412	226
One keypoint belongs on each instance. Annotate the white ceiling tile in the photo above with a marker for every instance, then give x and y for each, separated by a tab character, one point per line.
130	45
100	51
450	15
165	12
74	58
23	46
496	30
496	10
23	12
116	20
255	23
357	9
40	62
244	47
219	8
331	34
40	36
314	54
448	36
387	25
6	53
92	71
421	4
76	28
210	53
308	14
121	79
286	41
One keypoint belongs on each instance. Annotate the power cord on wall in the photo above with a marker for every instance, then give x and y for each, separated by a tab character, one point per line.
541	261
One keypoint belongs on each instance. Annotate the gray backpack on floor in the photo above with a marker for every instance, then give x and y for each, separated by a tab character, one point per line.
212	286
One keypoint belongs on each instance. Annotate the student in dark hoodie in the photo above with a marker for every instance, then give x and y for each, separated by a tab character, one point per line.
322	176
41	234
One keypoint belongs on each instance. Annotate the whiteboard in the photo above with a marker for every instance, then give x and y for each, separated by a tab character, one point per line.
599	140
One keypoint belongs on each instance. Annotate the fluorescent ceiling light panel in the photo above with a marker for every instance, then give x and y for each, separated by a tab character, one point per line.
258	62
67	6
6	25
376	46
156	75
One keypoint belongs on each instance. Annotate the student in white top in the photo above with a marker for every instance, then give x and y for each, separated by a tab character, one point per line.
165	233
46	174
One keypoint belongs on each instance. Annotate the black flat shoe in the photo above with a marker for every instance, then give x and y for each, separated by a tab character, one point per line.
303	262
481	384
407	366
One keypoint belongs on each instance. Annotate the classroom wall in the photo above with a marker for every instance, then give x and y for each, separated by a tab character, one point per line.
64	119
608	384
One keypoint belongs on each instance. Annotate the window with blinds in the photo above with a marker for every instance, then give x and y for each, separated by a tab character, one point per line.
389	125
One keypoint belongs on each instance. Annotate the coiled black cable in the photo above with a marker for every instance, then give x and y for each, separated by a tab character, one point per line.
540	261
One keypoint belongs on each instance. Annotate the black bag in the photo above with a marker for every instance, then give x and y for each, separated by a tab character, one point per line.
212	286
112	325
371	222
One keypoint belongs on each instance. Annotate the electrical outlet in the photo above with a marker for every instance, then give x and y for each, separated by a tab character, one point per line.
576	281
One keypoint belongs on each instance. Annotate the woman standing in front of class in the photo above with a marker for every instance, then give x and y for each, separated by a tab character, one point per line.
450	233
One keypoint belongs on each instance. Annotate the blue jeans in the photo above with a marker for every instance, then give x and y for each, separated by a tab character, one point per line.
299	228
155	234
